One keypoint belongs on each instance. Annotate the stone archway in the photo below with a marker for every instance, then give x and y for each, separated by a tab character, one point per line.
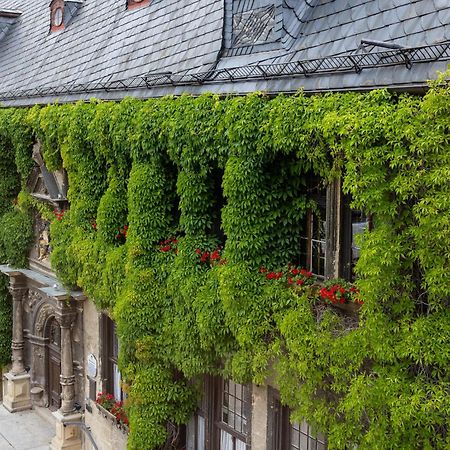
45	358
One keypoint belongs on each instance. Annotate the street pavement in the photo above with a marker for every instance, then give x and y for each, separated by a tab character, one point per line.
24	430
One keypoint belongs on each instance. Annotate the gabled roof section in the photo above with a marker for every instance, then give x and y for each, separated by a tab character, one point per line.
324	45
7	18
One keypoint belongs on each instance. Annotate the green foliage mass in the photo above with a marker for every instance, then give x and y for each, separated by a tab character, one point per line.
15	220
155	184
5	322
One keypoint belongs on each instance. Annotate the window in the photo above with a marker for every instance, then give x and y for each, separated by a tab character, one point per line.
57	15
313	251
330	240
313	243
113	379
234	418
284	435
355	223
222	421
302	438
62	13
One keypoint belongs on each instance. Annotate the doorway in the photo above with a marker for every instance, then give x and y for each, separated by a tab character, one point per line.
54	364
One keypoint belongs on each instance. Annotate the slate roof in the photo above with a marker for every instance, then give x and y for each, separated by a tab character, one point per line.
108	52
104	39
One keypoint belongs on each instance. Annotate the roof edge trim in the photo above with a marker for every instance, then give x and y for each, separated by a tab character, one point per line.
10	13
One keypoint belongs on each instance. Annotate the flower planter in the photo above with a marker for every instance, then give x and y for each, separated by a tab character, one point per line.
112	418
106	414
351	308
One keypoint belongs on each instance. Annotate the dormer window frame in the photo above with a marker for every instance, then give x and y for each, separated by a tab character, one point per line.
57	15
62	12
134	4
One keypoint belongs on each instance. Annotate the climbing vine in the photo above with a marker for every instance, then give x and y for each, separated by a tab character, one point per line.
15	221
184	223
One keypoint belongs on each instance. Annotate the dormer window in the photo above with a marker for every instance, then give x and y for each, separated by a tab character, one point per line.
57	15
133	4
61	13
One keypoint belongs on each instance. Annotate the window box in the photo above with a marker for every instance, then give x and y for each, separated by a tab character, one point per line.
112	418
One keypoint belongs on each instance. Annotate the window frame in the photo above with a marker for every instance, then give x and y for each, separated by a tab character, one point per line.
220	425
110	356
347	262
210	409
279	430
320	195
55	6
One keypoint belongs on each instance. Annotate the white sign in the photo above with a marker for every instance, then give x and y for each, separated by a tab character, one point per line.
91	366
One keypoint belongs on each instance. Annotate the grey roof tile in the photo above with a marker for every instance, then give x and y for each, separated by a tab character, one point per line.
435	35
429	21
444	16
440	4
424	8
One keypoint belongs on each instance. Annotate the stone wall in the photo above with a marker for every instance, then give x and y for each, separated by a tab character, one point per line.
105	433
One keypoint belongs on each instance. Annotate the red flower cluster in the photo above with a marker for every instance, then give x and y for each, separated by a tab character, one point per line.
59	214
121	235
119	412
115	407
292	276
212	258
94	225
337	292
106	400
274	275
168	245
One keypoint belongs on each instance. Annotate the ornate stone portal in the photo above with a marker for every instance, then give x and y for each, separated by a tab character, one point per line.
45	316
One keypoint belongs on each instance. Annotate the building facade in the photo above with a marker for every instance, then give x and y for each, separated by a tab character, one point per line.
65	351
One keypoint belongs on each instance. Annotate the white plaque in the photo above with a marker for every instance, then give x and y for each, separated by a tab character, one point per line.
91	366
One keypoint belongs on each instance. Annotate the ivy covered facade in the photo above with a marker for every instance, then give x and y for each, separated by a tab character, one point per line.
230	272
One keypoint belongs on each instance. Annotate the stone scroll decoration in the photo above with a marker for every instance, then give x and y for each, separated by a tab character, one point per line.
34	298
43	315
254	27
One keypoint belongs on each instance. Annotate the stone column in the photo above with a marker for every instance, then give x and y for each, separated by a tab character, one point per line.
16	385
67	376
68	436
18	367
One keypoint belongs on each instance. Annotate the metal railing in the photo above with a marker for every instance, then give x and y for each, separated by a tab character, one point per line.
263	70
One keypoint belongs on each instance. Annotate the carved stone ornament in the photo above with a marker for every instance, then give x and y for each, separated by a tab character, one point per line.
254	27
44	313
33	298
17	345
44	245
67	381
17	293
